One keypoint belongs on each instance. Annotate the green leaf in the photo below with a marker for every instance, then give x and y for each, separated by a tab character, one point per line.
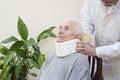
9	75
21	53
22	29
33	74
4	72
17	45
8	58
44	34
37	60
53	35
3	50
18	68
34	61
32	43
1	64
1	58
26	67
50	29
10	39
40	60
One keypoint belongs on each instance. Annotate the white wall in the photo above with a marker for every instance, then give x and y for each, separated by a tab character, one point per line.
38	15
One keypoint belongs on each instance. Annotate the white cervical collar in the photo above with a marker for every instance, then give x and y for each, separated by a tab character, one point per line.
66	48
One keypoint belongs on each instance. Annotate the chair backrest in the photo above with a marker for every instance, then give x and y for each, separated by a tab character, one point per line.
95	62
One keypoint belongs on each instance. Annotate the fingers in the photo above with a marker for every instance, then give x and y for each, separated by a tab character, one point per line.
80	42
79	49
86	49
80	46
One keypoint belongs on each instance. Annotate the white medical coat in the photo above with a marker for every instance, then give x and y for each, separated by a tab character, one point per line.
104	23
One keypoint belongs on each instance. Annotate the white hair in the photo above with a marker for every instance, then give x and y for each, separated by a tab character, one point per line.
77	25
84	36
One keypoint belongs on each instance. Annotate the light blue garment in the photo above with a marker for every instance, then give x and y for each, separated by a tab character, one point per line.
71	67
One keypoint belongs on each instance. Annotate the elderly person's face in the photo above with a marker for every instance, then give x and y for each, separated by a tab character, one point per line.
67	31
108	3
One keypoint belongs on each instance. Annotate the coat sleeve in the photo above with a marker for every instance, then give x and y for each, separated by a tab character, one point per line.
108	51
80	69
87	22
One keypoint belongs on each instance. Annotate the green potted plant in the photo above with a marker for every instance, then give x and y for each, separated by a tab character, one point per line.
23	54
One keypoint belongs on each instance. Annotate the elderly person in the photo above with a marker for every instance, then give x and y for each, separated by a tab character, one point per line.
101	18
66	63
